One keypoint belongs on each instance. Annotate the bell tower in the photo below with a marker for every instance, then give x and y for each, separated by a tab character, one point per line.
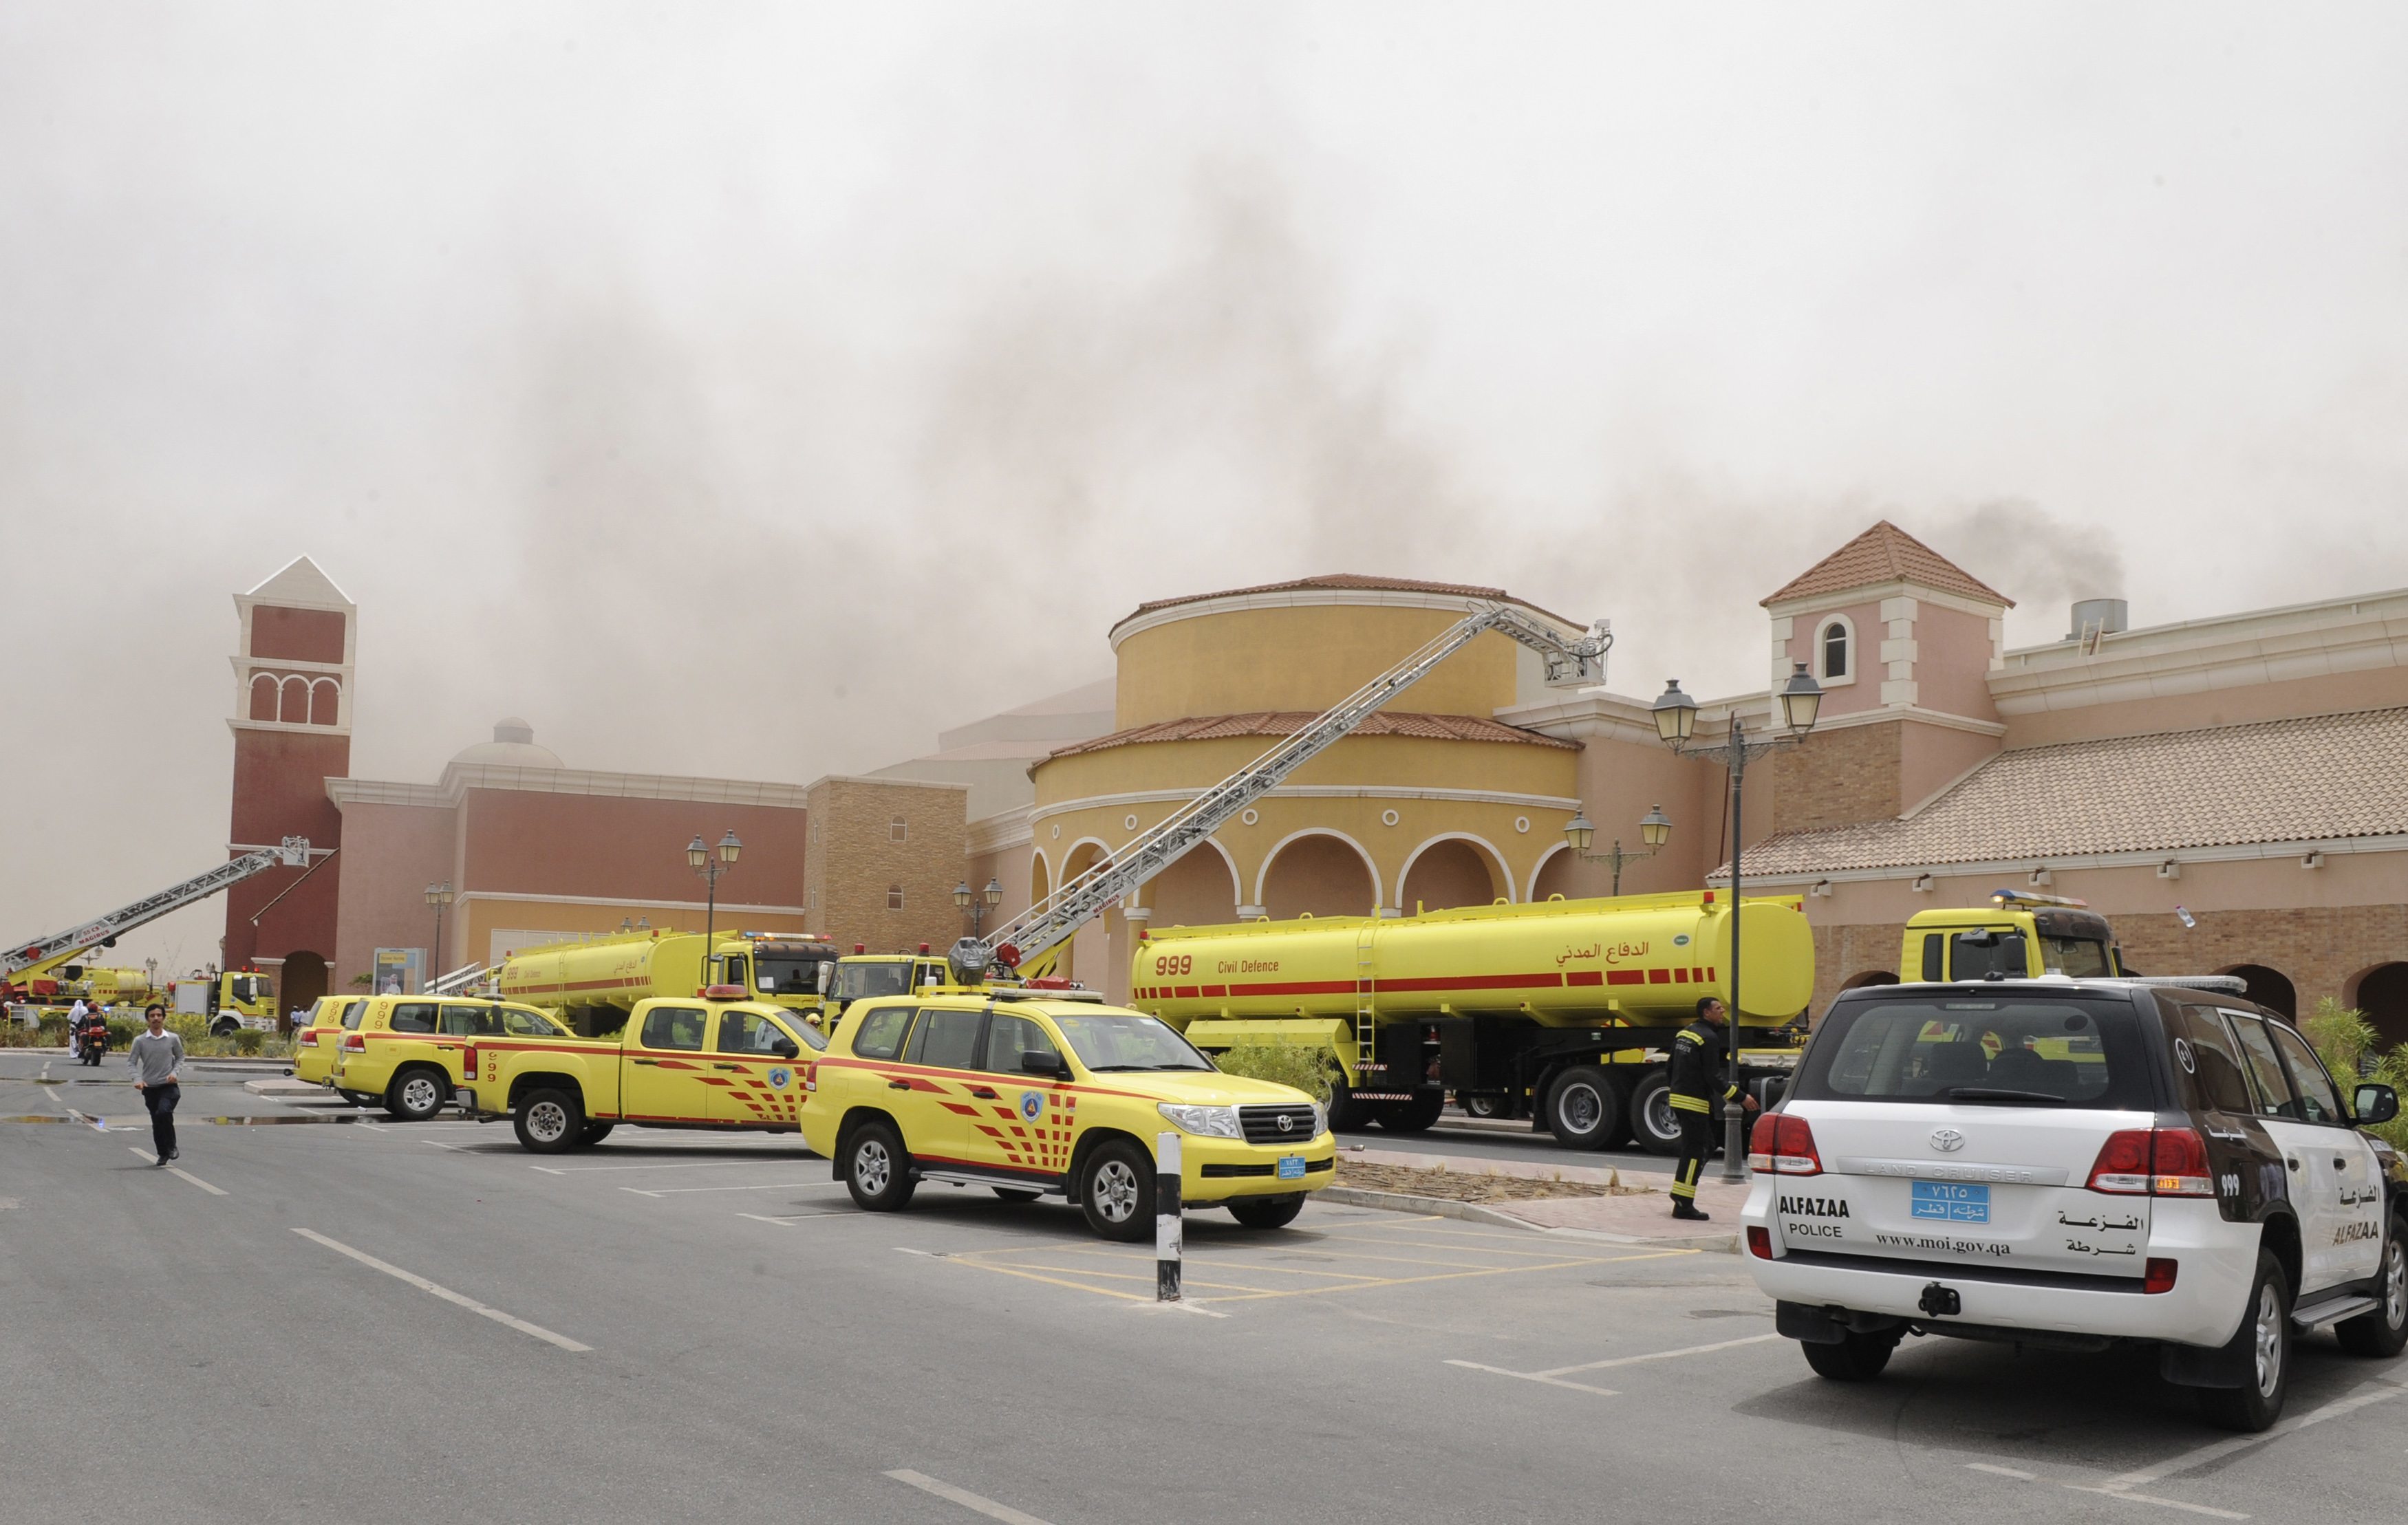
292	725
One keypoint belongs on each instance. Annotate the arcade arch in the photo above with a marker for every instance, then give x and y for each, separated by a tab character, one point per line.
1453	869
1319	871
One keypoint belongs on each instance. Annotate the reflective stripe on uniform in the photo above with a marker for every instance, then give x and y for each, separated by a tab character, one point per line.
1689	1104
1685	1180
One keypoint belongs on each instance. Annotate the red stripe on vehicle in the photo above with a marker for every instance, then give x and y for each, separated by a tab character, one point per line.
1584	977
1625	976
1659	977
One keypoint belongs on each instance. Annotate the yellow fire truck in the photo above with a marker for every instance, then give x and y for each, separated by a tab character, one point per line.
237	998
593	985
1563	1005
2018	936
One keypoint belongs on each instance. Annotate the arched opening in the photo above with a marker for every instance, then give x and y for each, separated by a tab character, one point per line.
304	981
1199	890
1087	956
1320	873
1869	976
262	697
292	701
2269	988
1554	875
325	701
1835	650
1449	872
1040	878
2382	993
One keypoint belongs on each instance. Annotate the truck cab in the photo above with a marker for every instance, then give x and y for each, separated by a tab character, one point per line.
861	975
2016	936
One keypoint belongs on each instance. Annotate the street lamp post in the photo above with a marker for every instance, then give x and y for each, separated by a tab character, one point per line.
700	859
978	904
437	896
1655	829
1676	723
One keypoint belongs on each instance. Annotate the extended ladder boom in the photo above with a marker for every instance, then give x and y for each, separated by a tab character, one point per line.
1052	920
57	950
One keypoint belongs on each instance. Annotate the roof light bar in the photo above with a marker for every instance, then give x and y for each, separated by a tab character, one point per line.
2003	898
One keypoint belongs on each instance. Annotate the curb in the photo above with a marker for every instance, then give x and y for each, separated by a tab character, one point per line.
1398	1202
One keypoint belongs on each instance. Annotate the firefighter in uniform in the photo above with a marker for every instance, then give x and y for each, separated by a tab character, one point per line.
1700	1077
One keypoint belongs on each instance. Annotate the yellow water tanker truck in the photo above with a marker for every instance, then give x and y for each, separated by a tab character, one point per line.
1561	1008
592	984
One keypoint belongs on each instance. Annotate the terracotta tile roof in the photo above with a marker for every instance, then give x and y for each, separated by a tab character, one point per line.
1348	581
1886	553
1287	723
2319	778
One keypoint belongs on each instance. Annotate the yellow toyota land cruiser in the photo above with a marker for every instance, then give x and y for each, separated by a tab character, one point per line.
406	1050
1033	1092
314	1046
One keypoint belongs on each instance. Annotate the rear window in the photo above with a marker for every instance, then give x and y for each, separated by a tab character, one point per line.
2004	1051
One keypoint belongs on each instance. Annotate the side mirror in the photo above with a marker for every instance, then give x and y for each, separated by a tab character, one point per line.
1045	1064
2373	1104
826	975
784	1047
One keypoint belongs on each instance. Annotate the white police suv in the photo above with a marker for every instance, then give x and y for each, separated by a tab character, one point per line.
2072	1164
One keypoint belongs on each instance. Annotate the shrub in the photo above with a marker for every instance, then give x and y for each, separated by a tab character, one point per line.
1309	1070
247	1040
2351	1050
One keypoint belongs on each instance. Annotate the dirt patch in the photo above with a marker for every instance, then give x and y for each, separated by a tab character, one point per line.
1458	1186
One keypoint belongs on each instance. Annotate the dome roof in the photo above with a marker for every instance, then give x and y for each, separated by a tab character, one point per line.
512	747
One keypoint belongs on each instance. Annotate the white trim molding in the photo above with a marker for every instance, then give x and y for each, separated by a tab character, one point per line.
2068	862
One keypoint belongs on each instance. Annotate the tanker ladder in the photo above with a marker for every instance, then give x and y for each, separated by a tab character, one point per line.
43	954
1052	920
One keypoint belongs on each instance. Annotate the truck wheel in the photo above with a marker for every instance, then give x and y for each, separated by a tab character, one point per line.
877	1170
2265	1337
1346	1114
225	1027
1651	1114
1268	1212
1413	1117
415	1096
1854	1358
548	1121
594	1133
2384	1331
1584	1108
1116	1190
1480	1105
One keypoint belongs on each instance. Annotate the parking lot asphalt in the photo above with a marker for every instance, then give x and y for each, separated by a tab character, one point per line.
370	1321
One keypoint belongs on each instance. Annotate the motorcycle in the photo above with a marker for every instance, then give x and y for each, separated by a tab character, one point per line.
95	1044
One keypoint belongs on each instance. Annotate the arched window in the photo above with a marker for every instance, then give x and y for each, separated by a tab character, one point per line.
1835	650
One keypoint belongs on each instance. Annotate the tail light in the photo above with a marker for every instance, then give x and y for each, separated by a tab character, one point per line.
2153	1163
354	1044
1784	1145
1759	1243
469	1059
2160	1277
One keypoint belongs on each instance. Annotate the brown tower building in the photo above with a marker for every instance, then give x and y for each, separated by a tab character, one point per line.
291	731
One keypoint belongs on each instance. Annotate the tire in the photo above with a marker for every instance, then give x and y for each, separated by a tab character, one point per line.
1481	1106
2383	1333
416	1095
1268	1212
1584	1108
224	1029
1116	1189
1413	1117
548	1121
877	1170
2265	1337
1856	1358
594	1133
1346	1114
1015	1193
1651	1116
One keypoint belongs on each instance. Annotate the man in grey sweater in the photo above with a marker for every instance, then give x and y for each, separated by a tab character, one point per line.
156	1057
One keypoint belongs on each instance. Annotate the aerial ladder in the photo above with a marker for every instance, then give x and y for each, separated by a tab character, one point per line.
24	963
1026	941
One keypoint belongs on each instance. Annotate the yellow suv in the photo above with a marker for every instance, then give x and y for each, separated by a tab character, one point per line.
406	1050
1034	1092
315	1044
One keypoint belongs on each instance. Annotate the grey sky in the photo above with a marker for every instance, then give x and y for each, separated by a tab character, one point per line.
756	390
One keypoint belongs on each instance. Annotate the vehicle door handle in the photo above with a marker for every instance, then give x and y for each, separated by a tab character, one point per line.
2295	1164
984	1094
898	1085
727	1066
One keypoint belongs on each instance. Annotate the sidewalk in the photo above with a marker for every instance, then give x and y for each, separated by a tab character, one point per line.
1624	1210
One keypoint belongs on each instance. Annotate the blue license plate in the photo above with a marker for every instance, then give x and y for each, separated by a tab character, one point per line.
1951	1201
1291	1167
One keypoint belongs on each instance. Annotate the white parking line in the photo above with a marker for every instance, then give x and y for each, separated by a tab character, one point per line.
1554	1375
696	1164
685	1191
182	1172
2162	1503
446	1293
2002	1472
1536	1376
964	1497
2374	1392
785	1218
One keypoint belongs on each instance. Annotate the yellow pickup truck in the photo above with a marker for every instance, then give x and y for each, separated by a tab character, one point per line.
714	1061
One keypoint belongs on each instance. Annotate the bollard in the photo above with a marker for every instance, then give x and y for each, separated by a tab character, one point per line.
1166	1218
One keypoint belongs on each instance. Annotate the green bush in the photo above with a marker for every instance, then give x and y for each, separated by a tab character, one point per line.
2352	1050
1309	1070
248	1041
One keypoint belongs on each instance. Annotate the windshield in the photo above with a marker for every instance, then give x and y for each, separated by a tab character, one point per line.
786	976
859	981
245	988
2008	1051
2081	957
1128	1043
